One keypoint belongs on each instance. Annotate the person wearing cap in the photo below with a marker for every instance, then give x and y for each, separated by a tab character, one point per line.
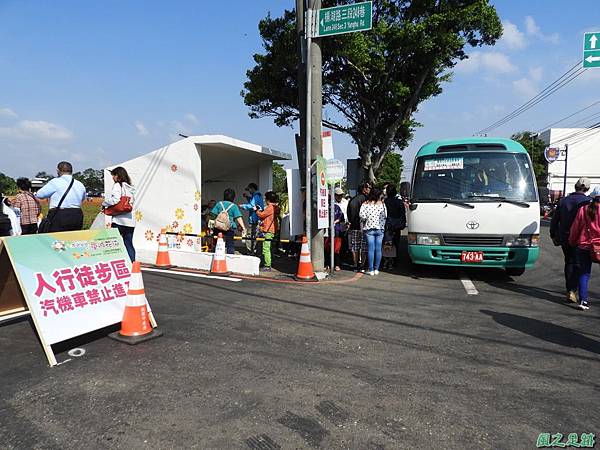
560	227
254	201
340	200
584	234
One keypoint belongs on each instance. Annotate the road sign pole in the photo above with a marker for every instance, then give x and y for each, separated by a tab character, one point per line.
332	228
565	179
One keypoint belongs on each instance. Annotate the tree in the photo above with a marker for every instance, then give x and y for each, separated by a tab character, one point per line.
8	185
373	82
535	147
92	179
279	178
391	169
44	174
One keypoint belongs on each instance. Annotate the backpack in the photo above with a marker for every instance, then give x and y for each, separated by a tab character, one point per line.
5	224
222	222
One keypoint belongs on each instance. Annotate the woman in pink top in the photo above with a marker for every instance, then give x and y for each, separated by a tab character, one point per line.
585	231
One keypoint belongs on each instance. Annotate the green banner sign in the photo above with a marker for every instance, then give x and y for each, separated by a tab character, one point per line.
344	19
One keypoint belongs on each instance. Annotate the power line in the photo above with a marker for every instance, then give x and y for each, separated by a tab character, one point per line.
568	117
576	134
585	119
559	83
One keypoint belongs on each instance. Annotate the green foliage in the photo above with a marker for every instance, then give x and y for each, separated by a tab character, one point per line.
391	169
44	174
535	147
279	179
8	186
374	81
92	179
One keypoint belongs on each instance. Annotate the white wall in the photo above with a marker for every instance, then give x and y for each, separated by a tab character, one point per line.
583	157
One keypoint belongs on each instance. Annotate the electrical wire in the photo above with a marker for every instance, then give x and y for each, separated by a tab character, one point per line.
568	117
558	84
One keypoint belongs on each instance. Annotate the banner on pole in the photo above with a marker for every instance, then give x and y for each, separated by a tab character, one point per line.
322	207
71	283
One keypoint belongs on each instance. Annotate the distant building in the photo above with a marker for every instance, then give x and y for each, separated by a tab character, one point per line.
37	183
583	157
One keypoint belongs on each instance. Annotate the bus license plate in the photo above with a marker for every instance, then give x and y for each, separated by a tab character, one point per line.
471	257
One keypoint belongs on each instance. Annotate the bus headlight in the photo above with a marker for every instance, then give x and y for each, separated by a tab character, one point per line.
522	241
428	239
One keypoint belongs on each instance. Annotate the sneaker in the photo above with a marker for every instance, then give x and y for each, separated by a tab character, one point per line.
583	306
372	273
572	297
376	272
266	269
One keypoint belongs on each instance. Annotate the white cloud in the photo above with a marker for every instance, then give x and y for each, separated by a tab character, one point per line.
7	112
533	29
525	87
38	130
191	118
141	128
511	36
493	62
536	73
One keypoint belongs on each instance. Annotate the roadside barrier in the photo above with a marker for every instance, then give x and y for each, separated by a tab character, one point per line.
305	268
162	256
219	264
136	326
235	238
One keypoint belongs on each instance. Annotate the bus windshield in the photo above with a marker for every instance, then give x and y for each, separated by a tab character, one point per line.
472	177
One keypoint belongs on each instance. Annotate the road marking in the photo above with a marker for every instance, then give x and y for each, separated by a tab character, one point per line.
468	284
187	274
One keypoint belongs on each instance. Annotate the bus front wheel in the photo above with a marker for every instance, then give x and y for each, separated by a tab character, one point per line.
515	271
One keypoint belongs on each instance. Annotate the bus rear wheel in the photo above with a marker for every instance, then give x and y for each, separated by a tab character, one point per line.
515	271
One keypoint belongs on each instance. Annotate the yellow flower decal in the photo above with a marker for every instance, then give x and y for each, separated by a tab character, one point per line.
197	196
179	213
138	215
187	228
169	228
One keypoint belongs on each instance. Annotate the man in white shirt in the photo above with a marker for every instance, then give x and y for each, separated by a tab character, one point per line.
69	217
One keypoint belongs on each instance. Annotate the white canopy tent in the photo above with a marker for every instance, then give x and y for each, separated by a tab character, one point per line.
173	183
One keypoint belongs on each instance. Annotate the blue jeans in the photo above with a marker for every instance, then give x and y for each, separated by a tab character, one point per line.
127	235
584	263
374	242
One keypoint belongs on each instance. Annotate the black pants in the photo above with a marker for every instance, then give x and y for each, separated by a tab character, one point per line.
127	235
571	268
31	228
67	219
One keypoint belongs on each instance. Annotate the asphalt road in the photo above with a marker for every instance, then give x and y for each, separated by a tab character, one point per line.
400	361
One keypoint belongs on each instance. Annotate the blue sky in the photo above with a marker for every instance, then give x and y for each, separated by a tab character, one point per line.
98	82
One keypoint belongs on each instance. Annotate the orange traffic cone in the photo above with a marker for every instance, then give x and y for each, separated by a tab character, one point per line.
135	327
219	264
305	268
162	257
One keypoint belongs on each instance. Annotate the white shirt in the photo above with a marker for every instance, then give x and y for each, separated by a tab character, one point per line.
56	187
373	215
118	190
15	223
344	207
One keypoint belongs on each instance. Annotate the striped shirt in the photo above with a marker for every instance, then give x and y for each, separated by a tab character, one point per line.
29	206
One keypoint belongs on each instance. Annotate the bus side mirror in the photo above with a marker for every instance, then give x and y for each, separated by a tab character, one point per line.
405	189
412	206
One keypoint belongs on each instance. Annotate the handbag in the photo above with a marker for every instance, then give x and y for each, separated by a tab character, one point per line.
46	223
123	207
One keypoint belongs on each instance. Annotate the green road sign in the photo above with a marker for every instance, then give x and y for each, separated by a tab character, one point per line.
344	19
591	49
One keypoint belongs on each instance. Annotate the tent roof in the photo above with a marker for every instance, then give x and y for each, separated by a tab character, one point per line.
226	142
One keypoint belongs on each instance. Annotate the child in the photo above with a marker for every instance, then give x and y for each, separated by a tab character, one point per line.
268	225
389	250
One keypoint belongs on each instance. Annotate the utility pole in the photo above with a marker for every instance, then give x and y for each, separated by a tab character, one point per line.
301	137
314	107
565	178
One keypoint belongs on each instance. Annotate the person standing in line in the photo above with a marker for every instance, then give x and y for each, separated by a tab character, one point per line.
234	220
373	216
67	216
584	233
124	222
8	219
396	217
342	203
269	225
28	205
355	232
562	220
254	200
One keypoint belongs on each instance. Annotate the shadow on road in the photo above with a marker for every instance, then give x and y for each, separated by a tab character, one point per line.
529	291
545	330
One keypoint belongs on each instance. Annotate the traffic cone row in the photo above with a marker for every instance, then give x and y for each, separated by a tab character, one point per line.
305	268
136	327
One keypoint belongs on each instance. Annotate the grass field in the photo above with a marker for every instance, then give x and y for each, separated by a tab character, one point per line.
91	208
